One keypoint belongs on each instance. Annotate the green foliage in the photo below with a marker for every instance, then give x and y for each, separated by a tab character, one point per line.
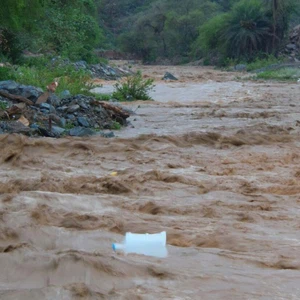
70	31
69	125
284	74
103	97
259	63
133	88
10	46
3	105
116	125
68	27
209	43
247	29
76	81
6	73
165	28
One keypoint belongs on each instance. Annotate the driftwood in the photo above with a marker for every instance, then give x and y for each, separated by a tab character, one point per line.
116	111
15	109
15	97
43	98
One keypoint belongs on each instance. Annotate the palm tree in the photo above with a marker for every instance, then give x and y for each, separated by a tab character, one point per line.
247	29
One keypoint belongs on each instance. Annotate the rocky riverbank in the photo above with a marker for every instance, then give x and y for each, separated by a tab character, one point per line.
31	111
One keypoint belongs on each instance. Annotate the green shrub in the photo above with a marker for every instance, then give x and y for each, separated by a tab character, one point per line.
259	63
285	74
3	105
6	73
133	88
103	97
116	125
76	81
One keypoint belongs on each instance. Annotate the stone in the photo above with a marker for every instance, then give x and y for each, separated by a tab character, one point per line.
291	47
62	108
53	100
30	92
45	106
63	122
71	117
81	131
57	130
73	108
15	127
81	112
80	65
83	105
107	134
241	67
65	94
82	121
34	126
169	76
9	85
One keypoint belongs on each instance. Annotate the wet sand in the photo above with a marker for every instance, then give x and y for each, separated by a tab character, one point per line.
220	173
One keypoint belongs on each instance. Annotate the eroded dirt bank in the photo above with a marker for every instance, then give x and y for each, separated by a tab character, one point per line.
220	175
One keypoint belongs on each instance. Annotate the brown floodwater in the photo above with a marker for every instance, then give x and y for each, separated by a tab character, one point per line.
214	162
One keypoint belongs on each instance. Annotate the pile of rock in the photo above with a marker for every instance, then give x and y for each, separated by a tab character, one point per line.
29	110
97	70
293	47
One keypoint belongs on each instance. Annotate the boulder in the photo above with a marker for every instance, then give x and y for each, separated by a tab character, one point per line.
169	76
81	131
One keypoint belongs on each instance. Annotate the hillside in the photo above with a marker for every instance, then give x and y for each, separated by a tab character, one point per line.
154	30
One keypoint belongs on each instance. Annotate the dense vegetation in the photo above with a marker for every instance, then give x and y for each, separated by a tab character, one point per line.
217	30
68	27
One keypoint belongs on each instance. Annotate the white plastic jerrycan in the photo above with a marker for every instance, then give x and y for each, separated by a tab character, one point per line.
146	244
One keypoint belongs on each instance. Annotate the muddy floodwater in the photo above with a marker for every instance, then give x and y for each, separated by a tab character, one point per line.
214	162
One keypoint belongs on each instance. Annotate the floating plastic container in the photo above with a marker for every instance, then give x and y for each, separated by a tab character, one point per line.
146	244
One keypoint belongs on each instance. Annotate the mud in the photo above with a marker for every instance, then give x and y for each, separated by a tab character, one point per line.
220	174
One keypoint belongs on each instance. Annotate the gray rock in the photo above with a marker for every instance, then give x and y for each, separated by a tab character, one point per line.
15	127
30	92
52	109
34	126
70	117
73	108
53	100
169	76
240	67
83	105
99	109
63	122
45	111
291	47
80	64
62	108
107	134
82	121
45	106
57	130
65	94
9	85
81	131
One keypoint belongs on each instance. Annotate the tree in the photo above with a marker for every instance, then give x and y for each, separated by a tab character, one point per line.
68	27
247	29
281	11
